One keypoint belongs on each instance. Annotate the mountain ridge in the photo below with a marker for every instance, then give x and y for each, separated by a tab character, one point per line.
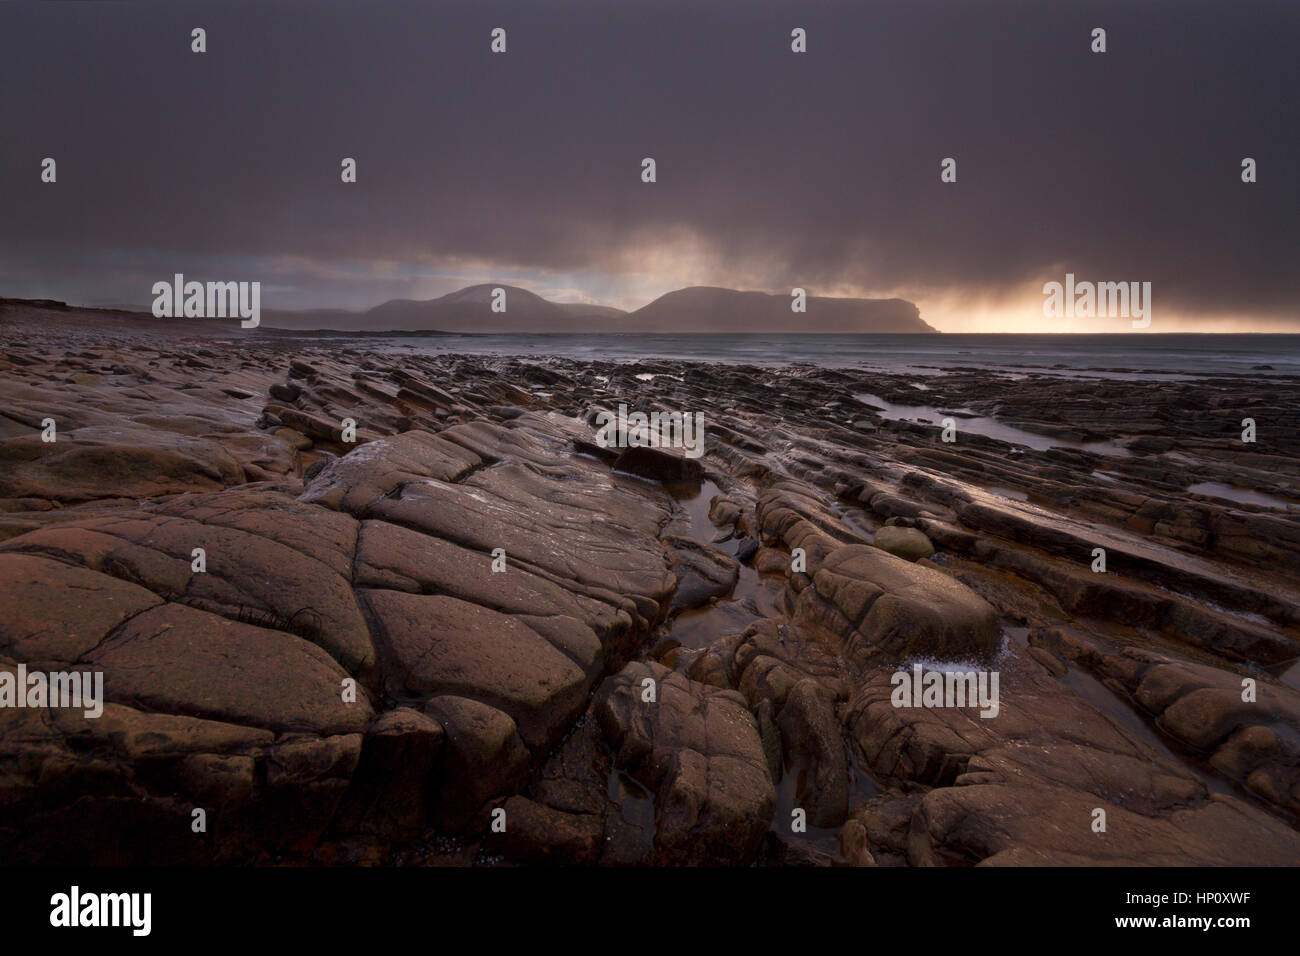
694	309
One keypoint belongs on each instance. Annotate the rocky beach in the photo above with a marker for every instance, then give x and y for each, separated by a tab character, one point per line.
362	607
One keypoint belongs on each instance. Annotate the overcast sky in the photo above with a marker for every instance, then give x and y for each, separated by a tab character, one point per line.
775	169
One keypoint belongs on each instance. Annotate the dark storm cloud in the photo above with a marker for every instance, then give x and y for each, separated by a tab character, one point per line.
819	169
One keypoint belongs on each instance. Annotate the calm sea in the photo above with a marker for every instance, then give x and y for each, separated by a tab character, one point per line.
1110	355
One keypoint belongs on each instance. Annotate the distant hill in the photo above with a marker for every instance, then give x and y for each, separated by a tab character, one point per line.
467	310
708	309
697	309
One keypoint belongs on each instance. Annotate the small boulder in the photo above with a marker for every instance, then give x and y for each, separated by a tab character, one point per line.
906	543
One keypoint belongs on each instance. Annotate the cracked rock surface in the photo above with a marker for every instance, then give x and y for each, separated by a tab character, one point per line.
365	652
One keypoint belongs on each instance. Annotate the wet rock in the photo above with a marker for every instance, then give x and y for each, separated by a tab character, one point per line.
659	464
540	834
764	678
110	462
814	754
374	470
747	550
793	514
1055	666
224	685
770	735
268	562
784	851
175	659
877	832
91	606
872	604
294	438
771	561
698	749
483	759
906	543
723	512
399	559
313	426
394	779
584	534
703	572
855	845
440	645
1050	826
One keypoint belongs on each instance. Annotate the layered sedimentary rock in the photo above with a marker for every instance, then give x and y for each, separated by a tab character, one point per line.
370	647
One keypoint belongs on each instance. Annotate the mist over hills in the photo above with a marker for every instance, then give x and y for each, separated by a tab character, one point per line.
696	309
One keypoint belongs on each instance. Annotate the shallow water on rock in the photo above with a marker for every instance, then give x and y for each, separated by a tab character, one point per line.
753	596
824	840
694	497
967	420
1245	496
1011	494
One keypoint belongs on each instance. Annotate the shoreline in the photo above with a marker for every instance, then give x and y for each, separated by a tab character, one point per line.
520	690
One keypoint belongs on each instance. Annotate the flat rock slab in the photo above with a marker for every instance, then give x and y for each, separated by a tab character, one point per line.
586	549
375	469
114	461
250	576
442	645
396	558
182	661
86	605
